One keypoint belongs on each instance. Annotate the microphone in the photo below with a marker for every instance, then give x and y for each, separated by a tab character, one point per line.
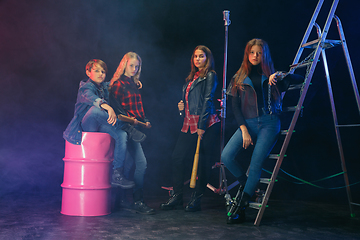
226	14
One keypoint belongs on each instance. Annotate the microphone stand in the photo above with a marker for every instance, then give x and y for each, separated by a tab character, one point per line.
226	14
223	188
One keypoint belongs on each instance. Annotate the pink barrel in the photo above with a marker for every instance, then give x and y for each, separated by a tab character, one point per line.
86	186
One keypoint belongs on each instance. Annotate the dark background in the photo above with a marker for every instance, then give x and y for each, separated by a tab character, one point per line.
45	45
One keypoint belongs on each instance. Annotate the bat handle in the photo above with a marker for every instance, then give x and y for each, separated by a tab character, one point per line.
195	164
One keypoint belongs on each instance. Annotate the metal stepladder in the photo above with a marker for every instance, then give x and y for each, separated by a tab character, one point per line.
319	46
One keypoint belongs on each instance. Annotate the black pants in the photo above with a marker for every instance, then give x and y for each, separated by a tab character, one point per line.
183	156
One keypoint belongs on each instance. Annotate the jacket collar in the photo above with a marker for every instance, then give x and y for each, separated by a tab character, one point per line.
248	81
95	84
196	81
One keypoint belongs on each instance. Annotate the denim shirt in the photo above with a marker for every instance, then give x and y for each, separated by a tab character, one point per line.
89	94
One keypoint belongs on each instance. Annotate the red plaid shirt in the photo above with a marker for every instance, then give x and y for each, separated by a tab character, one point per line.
191	121
127	93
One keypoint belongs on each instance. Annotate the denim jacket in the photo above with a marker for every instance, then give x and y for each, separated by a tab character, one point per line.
89	94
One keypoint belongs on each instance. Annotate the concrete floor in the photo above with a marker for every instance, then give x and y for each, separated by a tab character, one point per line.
25	217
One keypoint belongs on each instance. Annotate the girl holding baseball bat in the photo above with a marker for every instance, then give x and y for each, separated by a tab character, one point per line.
256	102
200	122
126	100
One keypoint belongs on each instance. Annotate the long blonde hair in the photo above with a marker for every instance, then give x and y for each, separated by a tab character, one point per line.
267	65
122	65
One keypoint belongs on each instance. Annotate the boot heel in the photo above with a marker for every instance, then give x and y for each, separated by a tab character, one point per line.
178	206
195	203
175	202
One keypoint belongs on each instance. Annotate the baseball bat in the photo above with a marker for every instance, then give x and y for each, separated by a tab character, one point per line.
129	120
195	164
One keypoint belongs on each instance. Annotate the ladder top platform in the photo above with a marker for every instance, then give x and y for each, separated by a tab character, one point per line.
326	44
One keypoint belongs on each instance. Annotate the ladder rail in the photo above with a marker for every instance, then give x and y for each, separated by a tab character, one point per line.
288	136
307	33
348	60
336	128
284	146
337	131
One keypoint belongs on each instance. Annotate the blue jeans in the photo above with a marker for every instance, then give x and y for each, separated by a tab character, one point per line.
126	152
95	120
135	154
264	132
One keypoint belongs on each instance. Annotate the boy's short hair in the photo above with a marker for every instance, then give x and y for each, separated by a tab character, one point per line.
91	63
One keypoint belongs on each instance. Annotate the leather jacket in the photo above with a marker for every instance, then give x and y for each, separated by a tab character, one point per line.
245	100
201	97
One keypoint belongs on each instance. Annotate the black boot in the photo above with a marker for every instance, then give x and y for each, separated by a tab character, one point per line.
195	203
237	210
175	202
237	218
229	202
133	133
139	206
118	179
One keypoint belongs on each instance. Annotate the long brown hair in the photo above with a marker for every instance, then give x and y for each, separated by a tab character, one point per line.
267	65
209	64
122	65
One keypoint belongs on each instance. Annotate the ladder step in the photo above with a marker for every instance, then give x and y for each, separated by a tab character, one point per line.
275	156
300	65
284	132
295	86
266	180
255	205
326	44
356	204
348	125
291	109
